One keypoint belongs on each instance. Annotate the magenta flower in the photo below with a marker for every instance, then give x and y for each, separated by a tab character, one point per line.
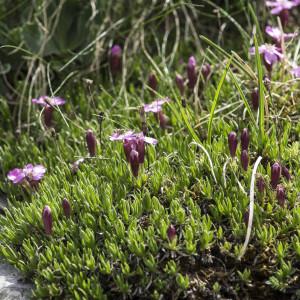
180	83
91	142
115	59
134	147
206	70
171	232
281	8
271	55
277	35
156	106
48	103
152	82
280	5
66	207
47	219
255	99
232	143
296	72
245	159
30	173
191	72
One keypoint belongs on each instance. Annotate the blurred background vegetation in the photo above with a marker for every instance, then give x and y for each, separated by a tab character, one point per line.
46	45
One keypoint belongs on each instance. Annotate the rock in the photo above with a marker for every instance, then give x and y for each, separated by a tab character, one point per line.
12	286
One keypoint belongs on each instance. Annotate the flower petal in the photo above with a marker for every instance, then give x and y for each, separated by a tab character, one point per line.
16	175
38	172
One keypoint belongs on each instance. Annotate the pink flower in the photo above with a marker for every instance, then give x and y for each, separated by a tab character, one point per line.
134	147
30	173
277	35
271	54
279	5
296	72
49	101
156	106
281	8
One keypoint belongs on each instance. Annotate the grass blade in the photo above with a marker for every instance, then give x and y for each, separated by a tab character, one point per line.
215	101
233	77
235	62
261	117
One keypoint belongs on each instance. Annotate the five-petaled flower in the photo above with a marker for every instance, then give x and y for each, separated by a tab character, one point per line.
156	108
278	35
271	54
281	8
48	103
30	173
134	147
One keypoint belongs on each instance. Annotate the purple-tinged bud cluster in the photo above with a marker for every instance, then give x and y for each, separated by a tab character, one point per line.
180	83
280	194
191	72
171	232
275	174
206	70
134	147
261	185
245	139
115	59
255	99
152	82
91	142
47	220
66	207
245	159
232	143
285	172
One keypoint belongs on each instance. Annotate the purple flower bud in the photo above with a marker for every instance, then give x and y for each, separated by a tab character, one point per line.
280	194
255	99
152	82
284	17
91	142
245	139
245	159
115	59
47	220
232	143
127	146
285	172
191	72
206	71
140	147
163	120
260	183
66	207
275	174
134	162
171	232
48	116
180	83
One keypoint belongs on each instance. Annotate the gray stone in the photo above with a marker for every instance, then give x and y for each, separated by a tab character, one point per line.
12	285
